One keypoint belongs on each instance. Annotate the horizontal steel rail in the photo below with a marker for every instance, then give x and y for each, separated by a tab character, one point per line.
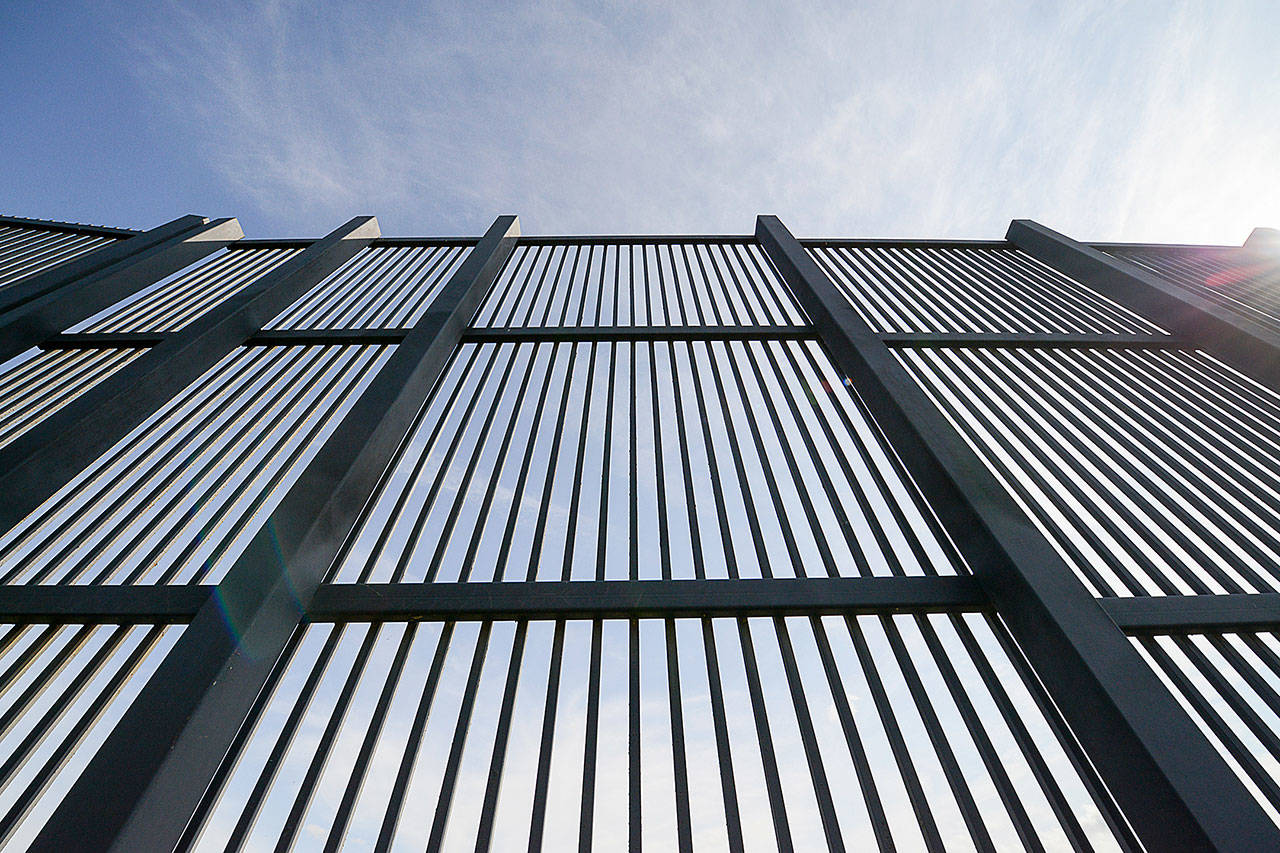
1149	615
635	239
1195	614
71	604
892	243
321	337
1030	340
102	340
68	227
550	334
641	599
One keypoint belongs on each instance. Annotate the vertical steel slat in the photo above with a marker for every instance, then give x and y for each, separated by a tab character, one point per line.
635	834
857	752
147	779
537	820
46	458
359	771
942	749
592	736
403	775
728	786
324	746
1172	784
459	741
455	441
684	827
489	807
768	756
517	494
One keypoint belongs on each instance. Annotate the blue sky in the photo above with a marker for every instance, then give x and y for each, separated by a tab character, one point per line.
1140	121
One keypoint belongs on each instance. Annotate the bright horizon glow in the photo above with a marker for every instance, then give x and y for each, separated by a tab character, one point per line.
897	119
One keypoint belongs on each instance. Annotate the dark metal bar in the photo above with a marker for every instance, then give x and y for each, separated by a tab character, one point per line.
632	239
857	752
764	736
327	337
459	741
1195	614
101	340
890	243
1238	340
635	790
403	775
1031	340
22	603
538	818
306	788
43	460
535	334
942	748
67	227
644	599
1173	786
48	302
147	779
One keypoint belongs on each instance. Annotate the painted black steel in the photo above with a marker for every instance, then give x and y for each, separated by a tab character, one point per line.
1195	614
147	785
160	758
101	340
543	334
644	599
1029	340
1173	786
43	460
120	605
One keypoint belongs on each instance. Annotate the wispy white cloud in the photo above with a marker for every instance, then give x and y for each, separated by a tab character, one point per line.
898	118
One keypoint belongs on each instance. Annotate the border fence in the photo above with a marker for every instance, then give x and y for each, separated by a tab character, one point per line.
671	542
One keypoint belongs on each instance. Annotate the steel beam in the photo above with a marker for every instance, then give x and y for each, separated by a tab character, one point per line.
328	337
38	463
547	334
1236	339
645	599
125	605
266	338
46	303
102	340
142	788
1195	614
67	227
1171	784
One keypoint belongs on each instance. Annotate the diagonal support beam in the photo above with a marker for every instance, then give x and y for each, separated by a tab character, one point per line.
1236	339
40	462
1171	784
144	785
46	303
